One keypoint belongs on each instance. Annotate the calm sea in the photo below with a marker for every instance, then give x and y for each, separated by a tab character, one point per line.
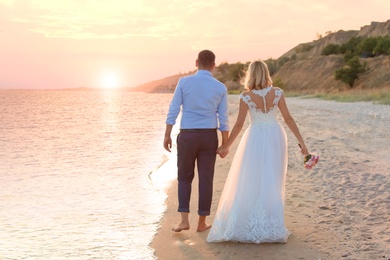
75	178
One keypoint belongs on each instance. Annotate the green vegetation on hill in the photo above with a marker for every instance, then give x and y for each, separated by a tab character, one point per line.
355	48
344	65
351	72
359	46
232	75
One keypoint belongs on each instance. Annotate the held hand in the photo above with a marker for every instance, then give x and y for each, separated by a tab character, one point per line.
168	143
304	149
223	150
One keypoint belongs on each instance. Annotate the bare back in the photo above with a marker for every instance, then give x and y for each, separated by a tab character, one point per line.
262	105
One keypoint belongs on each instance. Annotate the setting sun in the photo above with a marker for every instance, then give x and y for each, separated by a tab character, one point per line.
110	81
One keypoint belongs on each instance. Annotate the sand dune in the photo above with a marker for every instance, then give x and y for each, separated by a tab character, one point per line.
339	210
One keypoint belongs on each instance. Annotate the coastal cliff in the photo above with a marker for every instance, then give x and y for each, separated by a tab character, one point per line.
305	69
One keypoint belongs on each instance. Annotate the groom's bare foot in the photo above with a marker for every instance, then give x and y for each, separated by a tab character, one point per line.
180	227
202	227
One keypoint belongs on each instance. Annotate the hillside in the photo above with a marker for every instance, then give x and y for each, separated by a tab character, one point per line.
339	37
303	68
167	84
317	74
312	72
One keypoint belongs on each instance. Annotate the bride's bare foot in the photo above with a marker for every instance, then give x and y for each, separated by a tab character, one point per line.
180	227
202	227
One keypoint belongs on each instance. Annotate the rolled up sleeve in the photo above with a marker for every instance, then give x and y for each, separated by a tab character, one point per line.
223	114
174	107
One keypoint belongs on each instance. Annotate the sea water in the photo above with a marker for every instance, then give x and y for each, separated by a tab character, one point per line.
76	173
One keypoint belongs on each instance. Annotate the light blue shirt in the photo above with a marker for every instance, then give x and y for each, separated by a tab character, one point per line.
203	101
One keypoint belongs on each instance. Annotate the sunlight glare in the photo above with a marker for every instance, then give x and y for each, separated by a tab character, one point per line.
110	81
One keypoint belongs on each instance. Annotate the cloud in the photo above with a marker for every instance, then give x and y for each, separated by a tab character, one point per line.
213	22
198	21
89	19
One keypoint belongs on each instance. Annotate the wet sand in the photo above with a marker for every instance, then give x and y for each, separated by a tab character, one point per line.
338	210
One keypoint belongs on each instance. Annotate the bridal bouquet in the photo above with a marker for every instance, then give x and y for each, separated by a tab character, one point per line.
310	161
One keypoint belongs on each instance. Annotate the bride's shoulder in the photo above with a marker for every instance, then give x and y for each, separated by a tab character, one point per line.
278	91
245	93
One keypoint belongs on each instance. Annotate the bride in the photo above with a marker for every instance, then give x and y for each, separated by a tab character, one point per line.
251	207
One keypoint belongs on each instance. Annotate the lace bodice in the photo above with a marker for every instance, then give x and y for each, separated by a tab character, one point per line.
261	116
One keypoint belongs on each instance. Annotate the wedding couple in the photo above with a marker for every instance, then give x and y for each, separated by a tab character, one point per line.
251	207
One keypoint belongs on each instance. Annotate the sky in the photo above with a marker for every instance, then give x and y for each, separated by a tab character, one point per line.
46	44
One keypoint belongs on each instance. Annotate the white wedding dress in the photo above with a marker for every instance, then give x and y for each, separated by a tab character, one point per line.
251	207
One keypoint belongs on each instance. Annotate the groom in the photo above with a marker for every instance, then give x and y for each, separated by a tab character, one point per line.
203	101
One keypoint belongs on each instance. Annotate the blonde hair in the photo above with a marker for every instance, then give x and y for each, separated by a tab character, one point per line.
257	76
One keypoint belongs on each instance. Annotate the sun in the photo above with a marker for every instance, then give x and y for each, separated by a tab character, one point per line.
110	80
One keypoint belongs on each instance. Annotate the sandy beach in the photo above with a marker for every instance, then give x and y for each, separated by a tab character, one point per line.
339	210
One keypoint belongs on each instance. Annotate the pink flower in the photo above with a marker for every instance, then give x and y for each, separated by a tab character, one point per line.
310	161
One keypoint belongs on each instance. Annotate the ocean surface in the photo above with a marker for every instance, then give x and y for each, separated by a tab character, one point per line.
79	174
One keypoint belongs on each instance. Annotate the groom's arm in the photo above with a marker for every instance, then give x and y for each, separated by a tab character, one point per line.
223	116
167	137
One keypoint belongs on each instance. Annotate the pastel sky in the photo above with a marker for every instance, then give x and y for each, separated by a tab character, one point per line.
123	43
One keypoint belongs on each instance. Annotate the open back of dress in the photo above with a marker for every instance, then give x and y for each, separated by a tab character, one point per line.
251	207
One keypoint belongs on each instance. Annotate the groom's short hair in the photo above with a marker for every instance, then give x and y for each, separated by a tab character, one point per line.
206	59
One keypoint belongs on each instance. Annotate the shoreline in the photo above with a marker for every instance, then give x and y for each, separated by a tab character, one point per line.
340	209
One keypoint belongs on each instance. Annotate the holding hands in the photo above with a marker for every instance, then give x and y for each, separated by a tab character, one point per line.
223	150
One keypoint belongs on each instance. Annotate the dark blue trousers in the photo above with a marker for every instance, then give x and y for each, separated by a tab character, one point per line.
200	146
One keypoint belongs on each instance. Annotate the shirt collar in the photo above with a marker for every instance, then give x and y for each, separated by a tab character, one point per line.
203	72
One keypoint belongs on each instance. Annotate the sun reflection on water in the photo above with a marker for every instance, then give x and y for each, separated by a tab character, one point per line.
75	171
